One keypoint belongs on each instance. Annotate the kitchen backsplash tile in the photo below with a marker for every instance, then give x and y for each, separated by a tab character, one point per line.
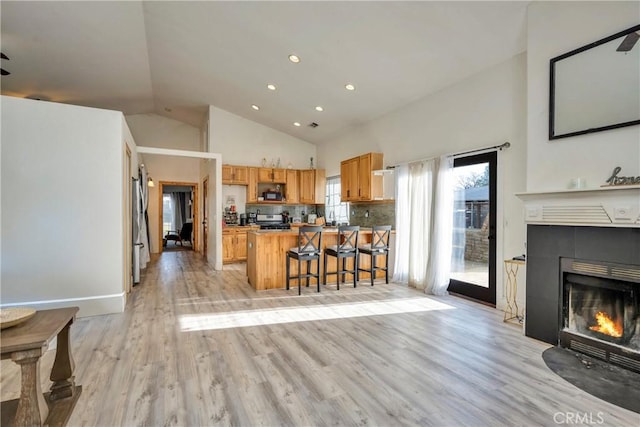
294	210
378	214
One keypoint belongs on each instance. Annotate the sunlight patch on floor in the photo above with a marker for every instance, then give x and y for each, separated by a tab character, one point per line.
273	316
259	297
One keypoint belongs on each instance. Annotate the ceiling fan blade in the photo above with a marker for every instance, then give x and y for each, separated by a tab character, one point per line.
4	72
3	56
628	42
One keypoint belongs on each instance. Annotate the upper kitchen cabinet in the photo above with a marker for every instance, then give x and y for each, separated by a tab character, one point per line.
272	175
292	195
235	175
349	180
313	183
252	186
357	180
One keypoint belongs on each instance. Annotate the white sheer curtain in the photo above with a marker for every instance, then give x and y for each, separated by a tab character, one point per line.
403	231
439	265
424	207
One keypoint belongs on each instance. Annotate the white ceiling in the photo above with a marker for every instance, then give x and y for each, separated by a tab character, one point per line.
143	57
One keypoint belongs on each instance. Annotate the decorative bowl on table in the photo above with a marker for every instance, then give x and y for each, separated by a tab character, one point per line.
15	315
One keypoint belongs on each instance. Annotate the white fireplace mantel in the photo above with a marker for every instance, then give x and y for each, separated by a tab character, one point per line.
611	206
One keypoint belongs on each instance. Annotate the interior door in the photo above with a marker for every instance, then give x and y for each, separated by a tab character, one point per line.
473	263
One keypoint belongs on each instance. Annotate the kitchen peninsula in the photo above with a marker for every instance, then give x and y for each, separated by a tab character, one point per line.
266	257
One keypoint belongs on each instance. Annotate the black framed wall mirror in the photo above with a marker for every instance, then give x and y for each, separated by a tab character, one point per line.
596	87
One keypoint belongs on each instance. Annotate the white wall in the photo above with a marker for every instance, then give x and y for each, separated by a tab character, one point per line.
237	193
62	219
555	28
152	130
487	109
243	142
214	172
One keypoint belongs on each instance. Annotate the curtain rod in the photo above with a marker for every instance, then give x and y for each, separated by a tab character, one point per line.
481	150
460	154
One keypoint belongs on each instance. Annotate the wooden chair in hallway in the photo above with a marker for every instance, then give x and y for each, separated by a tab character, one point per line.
182	237
379	246
309	249
347	247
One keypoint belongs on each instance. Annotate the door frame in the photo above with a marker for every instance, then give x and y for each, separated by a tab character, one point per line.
127	192
205	216
485	295
194	209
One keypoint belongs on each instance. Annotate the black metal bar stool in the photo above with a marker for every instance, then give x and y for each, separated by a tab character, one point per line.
309	248
379	246
347	247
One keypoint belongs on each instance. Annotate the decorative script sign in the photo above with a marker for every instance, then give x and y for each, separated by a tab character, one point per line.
614	179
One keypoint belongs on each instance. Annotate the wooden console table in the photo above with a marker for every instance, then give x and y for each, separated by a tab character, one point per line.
25	344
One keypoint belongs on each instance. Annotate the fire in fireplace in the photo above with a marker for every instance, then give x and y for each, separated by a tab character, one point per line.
600	310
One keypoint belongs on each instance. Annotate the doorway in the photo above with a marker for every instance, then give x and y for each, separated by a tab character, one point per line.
178	211
473	262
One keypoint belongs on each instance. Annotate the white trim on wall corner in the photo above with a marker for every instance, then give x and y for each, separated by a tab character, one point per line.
89	306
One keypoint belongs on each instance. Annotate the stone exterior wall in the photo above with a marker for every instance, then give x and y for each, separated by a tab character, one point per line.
476	247
476	243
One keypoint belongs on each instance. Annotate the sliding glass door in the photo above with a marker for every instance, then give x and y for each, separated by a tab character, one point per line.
473	263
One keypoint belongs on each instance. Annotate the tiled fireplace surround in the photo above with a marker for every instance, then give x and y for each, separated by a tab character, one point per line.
597	225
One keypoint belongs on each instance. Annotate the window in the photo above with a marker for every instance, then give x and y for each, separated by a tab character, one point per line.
334	209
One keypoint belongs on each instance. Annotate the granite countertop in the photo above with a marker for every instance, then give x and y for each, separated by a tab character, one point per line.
294	232
239	227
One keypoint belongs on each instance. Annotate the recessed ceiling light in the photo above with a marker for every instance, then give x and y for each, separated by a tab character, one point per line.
297	124
294	58
255	107
319	108
271	87
349	86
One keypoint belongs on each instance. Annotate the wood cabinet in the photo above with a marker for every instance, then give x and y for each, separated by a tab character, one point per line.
313	184
235	175
291	193
357	182
349	180
299	186
272	175
234	245
252	186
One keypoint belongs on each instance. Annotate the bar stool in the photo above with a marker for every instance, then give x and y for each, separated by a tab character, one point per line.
347	247
309	248
379	246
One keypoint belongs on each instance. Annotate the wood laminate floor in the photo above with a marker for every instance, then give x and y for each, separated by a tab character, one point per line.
196	347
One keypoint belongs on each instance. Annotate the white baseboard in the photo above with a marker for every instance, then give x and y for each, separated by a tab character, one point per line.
89	306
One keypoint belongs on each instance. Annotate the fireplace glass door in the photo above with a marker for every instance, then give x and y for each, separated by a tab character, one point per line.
600	310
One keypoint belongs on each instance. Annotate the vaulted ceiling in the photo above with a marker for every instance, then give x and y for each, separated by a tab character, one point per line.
176	58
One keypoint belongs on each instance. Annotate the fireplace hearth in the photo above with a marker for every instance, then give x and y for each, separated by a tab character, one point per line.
600	310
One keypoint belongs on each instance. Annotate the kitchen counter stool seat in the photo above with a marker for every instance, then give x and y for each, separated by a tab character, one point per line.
347	247
379	246
309	249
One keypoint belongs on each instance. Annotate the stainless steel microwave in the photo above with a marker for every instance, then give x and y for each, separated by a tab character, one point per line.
272	195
